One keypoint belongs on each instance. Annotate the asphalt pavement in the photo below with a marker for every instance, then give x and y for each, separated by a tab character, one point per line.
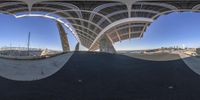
102	76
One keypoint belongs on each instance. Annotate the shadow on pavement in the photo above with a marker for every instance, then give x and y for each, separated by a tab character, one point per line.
102	76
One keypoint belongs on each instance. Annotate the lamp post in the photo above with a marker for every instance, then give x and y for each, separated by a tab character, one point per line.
28	44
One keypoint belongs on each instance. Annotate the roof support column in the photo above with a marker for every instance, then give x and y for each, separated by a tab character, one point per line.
106	45
77	47
63	38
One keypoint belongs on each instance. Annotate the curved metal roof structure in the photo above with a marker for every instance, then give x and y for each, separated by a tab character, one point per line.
90	19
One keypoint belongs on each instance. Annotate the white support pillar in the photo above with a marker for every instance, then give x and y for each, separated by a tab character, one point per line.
77	47
106	45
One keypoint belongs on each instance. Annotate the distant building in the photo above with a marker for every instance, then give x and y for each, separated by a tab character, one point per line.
198	51
22	51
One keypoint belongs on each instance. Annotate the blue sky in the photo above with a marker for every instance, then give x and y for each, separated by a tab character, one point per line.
175	29
44	32
168	30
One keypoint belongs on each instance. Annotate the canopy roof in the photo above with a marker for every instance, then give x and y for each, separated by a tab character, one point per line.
90	19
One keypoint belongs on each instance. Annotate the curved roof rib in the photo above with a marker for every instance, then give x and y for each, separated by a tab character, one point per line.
90	19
